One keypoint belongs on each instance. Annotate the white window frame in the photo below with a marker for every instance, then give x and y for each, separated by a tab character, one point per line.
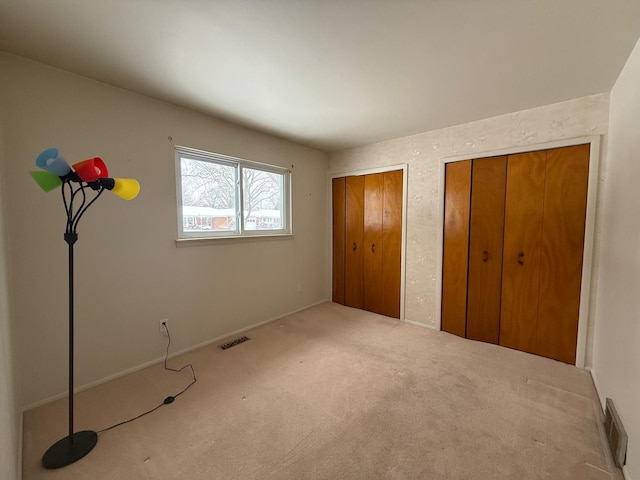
239	164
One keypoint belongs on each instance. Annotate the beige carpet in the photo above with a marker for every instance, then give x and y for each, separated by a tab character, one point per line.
337	393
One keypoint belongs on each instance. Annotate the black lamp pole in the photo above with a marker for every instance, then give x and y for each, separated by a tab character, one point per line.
77	444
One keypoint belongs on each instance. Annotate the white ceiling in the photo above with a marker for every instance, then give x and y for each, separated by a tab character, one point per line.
333	74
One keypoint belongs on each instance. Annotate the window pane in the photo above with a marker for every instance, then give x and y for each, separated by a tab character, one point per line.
263	194
208	196
214	186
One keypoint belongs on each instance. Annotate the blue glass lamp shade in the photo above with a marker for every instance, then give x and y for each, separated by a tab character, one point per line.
51	161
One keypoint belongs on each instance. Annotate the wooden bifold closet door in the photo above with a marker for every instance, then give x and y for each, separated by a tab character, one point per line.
457	194
338	238
372	265
367	241
565	205
354	228
517	280
522	247
485	249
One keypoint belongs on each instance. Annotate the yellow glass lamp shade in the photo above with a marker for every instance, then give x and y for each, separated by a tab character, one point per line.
47	181
127	188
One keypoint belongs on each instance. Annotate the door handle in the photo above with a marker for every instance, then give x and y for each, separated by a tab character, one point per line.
521	258
485	256
373	248
354	247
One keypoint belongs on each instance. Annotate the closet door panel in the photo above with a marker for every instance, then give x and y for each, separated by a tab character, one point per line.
372	244
565	203
485	248
392	243
522	246
354	276
456	246
338	196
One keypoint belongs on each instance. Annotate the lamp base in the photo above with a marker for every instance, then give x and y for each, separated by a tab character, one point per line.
69	449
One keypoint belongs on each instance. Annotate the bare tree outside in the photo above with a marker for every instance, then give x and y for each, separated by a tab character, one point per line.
213	185
262	191
207	184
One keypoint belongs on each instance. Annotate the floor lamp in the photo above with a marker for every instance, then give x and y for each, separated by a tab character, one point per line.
81	184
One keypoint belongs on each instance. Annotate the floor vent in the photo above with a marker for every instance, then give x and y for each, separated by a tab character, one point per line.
233	343
616	434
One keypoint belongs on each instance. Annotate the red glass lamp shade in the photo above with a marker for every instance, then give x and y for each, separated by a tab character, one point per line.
91	170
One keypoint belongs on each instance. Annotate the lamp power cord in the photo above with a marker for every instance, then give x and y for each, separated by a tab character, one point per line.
170	398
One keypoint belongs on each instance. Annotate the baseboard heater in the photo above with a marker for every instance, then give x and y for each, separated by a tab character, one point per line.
616	434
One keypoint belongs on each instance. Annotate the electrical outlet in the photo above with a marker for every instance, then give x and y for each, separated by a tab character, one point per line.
161	325
299	289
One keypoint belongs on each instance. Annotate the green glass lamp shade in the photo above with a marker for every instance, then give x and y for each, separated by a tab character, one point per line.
127	188
51	161
47	181
91	170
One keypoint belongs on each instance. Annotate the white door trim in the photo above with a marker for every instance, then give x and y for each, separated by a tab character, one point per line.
589	234
405	169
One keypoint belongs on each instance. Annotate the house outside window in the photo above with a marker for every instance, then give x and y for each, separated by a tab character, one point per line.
221	196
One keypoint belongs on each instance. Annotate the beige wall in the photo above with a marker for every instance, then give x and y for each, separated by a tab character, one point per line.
129	272
9	411
616	363
424	154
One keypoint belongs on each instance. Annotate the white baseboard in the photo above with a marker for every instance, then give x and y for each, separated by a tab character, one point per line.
418	324
602	398
161	359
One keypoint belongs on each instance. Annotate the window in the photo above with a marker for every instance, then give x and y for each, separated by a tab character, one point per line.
220	196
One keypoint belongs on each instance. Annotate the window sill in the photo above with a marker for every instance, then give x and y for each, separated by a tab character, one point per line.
202	241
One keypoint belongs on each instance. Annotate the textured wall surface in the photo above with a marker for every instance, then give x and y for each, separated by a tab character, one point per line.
616	358
9	412
424	154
